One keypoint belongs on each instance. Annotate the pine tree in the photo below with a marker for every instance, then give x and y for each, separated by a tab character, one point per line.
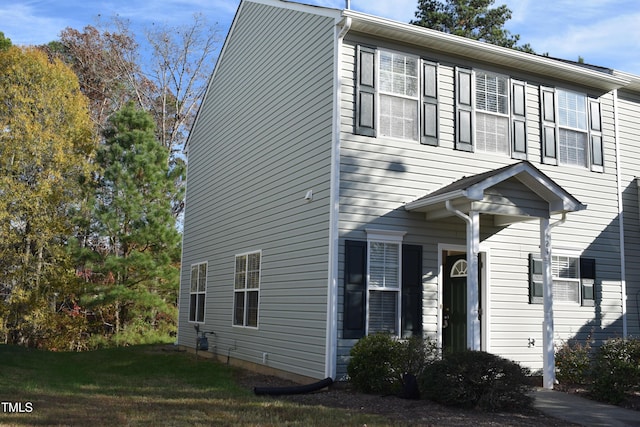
474	19
135	233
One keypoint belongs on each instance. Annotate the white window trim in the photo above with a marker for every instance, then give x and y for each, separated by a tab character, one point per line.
204	293
585	131
380	93
393	237
476	111
245	291
571	254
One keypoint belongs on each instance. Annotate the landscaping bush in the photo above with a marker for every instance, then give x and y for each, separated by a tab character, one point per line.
476	379
379	362
616	369
573	363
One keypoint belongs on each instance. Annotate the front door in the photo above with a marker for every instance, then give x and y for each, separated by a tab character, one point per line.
454	306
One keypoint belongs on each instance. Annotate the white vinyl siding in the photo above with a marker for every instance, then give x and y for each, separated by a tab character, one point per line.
399	93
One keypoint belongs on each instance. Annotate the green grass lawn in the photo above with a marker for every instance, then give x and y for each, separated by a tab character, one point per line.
141	385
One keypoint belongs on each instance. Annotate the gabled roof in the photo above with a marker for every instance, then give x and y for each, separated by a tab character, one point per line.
468	190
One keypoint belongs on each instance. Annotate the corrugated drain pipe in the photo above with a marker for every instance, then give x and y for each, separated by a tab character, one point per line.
300	389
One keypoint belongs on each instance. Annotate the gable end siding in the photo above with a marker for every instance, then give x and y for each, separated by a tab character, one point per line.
263	139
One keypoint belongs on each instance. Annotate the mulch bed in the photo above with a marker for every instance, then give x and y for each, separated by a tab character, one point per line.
403	411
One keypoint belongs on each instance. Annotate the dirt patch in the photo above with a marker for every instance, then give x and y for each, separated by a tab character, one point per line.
397	410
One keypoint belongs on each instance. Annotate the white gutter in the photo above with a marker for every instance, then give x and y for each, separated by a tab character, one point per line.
331	347
460	46
623	275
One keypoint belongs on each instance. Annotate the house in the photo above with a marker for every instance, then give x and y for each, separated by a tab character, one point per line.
349	174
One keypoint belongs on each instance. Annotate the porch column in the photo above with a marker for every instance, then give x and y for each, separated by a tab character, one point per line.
548	354
473	249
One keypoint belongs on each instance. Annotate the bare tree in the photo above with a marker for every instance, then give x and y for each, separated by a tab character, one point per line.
181	63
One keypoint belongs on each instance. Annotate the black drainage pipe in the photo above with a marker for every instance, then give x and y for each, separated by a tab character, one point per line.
300	389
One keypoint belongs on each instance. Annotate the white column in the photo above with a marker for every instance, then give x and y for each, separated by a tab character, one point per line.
548	354
473	249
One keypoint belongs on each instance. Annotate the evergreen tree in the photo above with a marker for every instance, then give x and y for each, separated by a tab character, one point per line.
135	238
474	19
5	42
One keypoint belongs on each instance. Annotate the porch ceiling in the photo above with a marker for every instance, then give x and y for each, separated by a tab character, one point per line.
514	193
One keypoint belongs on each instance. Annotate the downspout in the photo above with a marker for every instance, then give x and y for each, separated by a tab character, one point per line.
548	355
473	241
331	351
623	274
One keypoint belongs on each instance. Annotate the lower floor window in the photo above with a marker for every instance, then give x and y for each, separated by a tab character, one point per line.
573	279
197	293
246	289
566	278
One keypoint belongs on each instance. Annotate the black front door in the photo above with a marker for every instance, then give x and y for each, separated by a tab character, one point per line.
454	307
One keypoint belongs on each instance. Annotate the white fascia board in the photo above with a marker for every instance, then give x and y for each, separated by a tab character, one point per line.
473	49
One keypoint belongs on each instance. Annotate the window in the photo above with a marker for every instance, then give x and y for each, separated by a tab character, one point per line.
399	92
573	279
382	286
492	109
571	129
566	278
197	292
246	289
490	113
396	96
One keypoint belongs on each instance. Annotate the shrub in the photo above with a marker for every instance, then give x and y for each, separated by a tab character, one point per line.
616	369
373	363
379	362
476	379
573	363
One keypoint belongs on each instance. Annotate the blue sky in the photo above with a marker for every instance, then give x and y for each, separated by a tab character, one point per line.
603	32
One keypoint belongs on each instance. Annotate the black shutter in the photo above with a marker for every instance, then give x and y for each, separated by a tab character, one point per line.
519	120
464	110
355	270
411	291
587	280
365	91
535	279
595	136
429	103
548	121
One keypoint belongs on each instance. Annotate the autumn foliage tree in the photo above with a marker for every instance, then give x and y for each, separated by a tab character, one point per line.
46	146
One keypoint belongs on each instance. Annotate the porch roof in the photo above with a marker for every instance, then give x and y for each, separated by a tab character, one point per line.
513	193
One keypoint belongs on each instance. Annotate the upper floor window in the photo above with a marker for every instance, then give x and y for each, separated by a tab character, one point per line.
399	94
490	113
246	289
396	96
571	129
